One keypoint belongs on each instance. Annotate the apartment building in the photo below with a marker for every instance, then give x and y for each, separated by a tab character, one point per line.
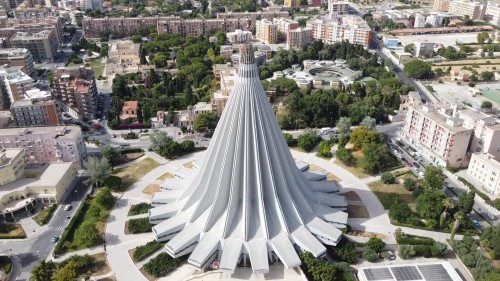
351	28
298	38
424	49
76	87
474	9
123	57
34	113
493	13
338	7
254	16
15	83
439	133
266	32
239	36
43	45
291	3
12	162
47	144
226	51
484	168
441	5
18	57
284	24
34	13
226	75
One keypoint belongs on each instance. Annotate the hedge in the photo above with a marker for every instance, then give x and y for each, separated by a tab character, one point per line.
140	208
163	264
8	267
113	182
127	150
46	219
141	225
472	187
406	239
144	251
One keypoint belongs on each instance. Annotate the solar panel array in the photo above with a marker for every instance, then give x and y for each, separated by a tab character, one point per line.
435	272
377	273
406	273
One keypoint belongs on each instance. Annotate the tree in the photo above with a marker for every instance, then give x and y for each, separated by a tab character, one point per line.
410	184
370	255
308	141
375	157
410	48
89	52
400	212
68	272
418	69
157	139
188	94
466	202
387	178
136	39
43	271
325	149
206	121
344	126
369	123
490	238
459	216
406	251
361	136
375	244
110	153
486	105
99	169
433	177
430	203
105	198
482	37
487	75
87	235
160	60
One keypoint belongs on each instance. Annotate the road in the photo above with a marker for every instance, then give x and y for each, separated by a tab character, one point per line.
32	251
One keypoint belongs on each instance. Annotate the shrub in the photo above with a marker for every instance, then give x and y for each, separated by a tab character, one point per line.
315	268
496	203
370	255
406	251
113	182
288	139
344	251
345	156
162	265
131	136
140	208
141	225
343	266
324	149
405	239
308	141
144	251
375	244
473	188
410	184
187	146
387	178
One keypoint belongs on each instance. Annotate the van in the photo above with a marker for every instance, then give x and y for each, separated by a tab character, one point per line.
391	255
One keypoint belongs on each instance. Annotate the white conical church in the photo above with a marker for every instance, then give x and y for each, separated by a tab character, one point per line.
248	202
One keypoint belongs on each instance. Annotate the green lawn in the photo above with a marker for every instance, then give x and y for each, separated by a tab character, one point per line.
97	65
493	95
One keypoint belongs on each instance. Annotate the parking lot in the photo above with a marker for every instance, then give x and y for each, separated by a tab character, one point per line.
445	39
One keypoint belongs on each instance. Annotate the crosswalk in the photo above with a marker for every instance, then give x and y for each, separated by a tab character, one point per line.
56	228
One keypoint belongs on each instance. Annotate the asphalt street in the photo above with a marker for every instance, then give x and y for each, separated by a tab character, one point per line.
32	251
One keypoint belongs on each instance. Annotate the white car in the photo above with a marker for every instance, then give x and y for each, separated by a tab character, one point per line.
421	174
67	207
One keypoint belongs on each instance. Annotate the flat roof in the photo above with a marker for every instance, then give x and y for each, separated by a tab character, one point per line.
432	271
440	118
489	158
69	132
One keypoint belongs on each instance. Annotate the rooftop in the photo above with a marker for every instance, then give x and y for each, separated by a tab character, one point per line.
486	157
440	118
410	272
130	105
69	131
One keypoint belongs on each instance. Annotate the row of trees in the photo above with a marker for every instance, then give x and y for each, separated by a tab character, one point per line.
167	147
70	269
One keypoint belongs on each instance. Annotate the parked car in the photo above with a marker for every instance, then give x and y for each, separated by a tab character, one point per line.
476	223
416	165
492	217
409	164
421	174
67	207
55	239
391	255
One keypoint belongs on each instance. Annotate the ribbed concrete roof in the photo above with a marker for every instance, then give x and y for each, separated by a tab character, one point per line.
248	195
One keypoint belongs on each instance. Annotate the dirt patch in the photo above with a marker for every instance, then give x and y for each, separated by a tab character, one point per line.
358	153
351	196
102	266
329	176
357	211
131	253
134	172
165	176
367	234
188	165
107	279
151	189
332	177
389	193
126	228
17	232
147	275
353	170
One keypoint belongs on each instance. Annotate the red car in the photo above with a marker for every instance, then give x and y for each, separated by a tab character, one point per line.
409	164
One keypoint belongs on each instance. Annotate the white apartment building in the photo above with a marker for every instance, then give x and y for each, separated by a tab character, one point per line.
493	13
424	49
284	25
420	21
434	20
474	9
338	7
239	36
484	168
439	133
486	138
351	28
16	83
266	31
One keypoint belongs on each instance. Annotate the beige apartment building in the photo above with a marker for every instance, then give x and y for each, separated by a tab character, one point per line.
43	45
12	162
284	24
266	31
441	5
298	38
239	36
226	75
292	3
123	57
15	83
439	133
484	168
474	9
18	57
493	13
486	138
47	144
351	28
76	87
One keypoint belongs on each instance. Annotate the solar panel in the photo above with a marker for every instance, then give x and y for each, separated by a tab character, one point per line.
435	272
378	274
406	273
